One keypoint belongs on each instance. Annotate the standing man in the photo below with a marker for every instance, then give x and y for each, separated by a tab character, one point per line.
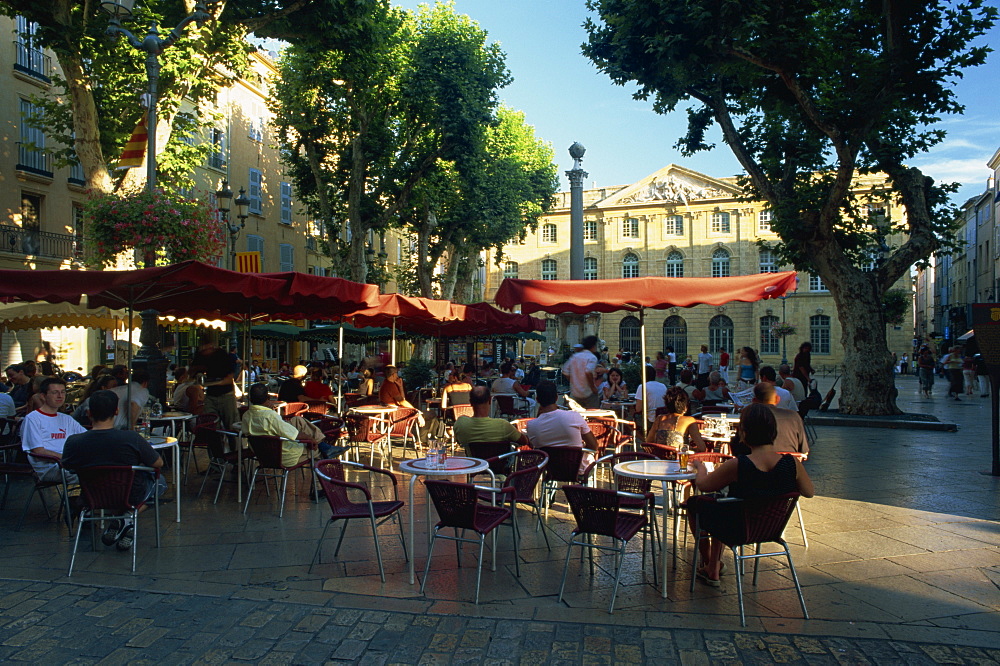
220	388
671	366
106	445
580	371
45	430
724	363
704	367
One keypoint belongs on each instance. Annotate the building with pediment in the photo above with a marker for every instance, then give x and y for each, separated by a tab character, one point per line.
681	223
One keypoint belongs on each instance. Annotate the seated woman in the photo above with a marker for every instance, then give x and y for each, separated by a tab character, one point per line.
183	381
459	382
675	428
367	385
614	387
762	473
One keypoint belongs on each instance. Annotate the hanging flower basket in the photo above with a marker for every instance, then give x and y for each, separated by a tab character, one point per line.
782	329
178	227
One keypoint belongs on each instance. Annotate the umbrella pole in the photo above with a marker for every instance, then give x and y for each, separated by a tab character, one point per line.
392	356
340	359
128	364
642	368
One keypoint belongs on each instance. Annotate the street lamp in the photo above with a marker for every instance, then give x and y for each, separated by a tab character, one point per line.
153	45
224	197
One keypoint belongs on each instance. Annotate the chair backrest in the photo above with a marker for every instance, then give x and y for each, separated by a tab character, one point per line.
745	521
456	503
267	448
595	509
524	481
660	451
491	452
530	458
206	421
458	398
107	487
294	408
460	410
329	472
360	428
605	432
402	420
564	463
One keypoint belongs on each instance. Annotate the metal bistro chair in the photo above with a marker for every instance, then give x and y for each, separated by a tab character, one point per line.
221	460
459	508
743	522
493	453
598	512
403	423
523	470
267	450
41	486
363	430
330	474
798	505
108	489
563	467
512	407
202	434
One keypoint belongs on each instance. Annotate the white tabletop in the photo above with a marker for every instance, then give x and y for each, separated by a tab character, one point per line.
373	409
452	466
172	416
161	442
715	437
658	470
600	413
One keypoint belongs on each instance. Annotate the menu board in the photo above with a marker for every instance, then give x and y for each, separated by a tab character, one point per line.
986	324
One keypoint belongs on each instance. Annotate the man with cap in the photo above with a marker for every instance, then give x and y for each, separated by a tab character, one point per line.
292	390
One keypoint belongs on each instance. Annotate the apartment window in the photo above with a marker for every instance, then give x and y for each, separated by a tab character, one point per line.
590	230
30	58
78	225
217	158
675	264
589	268
630	227
549	271
256	193
720	223
819	333
256	129
549	234
673	225
287	258
256	244
816	283
628	334
31	155
769	344
510	270
720	333
764	221
31	217
630	266
675	335
286	203
768	263
76	174
720	265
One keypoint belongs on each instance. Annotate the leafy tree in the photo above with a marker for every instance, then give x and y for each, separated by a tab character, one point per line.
809	96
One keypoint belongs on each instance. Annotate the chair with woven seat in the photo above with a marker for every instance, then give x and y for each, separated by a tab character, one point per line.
220	459
364	430
267	451
605	431
598	512
492	453
459	508
107	490
744	522
41	486
293	409
330	474
404	424
511	406
523	470
202	434
563	467
798	505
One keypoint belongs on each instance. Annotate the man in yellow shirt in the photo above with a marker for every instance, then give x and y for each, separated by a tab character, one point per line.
260	419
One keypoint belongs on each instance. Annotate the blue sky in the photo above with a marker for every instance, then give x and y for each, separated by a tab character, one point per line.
567	99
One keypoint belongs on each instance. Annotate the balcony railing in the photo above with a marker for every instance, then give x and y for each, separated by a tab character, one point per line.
76	175
16	240
33	62
34	161
217	161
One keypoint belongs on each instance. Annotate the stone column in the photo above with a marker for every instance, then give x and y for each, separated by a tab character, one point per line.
149	356
576	175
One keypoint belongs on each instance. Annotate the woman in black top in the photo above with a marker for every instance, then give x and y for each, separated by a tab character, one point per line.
762	473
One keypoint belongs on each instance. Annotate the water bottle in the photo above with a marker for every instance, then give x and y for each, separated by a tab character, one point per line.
443	456
432	454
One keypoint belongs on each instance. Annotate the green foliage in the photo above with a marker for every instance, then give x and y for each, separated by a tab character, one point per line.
895	304
631	373
417	373
183	228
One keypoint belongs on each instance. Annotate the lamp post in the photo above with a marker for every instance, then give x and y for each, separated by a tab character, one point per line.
784	338
153	45
224	197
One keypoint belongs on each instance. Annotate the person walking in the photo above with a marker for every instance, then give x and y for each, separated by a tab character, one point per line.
925	370
802	365
969	373
952	363
704	367
579	369
671	366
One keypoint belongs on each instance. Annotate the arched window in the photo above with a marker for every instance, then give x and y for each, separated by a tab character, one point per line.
630	266
675	264
628	334
589	268
720	333
510	270
769	344
549	269
720	264
768	262
549	234
720	223
675	334
819	333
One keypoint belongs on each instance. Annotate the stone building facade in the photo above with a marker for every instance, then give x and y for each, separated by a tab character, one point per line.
681	223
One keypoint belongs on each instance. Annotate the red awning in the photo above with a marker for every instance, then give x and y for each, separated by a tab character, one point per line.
583	296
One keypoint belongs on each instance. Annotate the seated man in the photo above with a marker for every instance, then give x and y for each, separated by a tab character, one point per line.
261	419
655	392
785	399
292	390
791	432
481	428
556	427
107	445
45	430
507	384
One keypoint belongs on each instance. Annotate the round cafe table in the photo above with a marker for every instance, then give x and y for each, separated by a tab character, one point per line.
159	443
664	471
172	418
453	466
619	407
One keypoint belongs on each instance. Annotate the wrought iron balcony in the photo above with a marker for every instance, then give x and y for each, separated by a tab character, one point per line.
15	240
33	62
34	161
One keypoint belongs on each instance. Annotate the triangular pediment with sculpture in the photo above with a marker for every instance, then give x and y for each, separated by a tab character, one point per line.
674	184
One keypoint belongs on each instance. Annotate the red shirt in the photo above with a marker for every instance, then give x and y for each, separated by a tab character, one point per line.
317	390
724	359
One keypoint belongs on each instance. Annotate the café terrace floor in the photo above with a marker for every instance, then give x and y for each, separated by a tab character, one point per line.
904	543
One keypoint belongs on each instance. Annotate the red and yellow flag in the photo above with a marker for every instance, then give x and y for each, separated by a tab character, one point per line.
135	149
248	262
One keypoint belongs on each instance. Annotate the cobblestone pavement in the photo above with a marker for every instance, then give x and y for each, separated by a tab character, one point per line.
48	623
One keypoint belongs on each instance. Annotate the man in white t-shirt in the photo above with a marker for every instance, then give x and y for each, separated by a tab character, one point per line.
45	430
704	366
580	371
655	392
139	390
785	399
555	428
